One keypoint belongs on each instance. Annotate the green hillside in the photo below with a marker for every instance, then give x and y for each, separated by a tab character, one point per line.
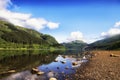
111	43
12	36
75	45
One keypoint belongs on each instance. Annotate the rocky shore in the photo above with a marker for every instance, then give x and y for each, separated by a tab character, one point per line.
104	65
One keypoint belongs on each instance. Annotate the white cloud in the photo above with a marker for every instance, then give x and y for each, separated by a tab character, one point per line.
117	24
38	24
52	25
22	19
4	4
76	35
111	32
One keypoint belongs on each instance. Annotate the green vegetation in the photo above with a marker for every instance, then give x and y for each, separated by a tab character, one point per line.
75	45
111	43
18	38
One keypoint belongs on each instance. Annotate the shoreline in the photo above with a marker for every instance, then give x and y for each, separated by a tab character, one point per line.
101	66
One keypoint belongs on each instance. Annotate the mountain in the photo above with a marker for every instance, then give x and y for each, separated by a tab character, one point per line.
74	45
111	43
12	36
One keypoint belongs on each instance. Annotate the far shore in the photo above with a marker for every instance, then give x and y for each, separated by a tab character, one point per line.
27	49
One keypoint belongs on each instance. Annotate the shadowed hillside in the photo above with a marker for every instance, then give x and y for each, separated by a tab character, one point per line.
111	43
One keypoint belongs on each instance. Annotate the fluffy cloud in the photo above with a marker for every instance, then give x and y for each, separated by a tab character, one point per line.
117	24
53	25
77	35
22	19
38	24
111	32
4	4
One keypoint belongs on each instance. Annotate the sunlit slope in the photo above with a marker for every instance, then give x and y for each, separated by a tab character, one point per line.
10	33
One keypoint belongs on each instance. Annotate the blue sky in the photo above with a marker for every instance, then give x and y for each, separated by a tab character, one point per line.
87	20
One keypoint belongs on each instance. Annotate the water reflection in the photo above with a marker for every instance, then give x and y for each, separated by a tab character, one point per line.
52	64
25	61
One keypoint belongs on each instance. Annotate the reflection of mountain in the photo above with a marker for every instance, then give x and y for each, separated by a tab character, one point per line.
75	45
25	62
111	43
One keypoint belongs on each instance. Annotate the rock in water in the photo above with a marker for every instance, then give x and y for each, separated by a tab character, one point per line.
55	60
74	63
63	62
66	67
35	69
52	78
11	71
50	74
40	73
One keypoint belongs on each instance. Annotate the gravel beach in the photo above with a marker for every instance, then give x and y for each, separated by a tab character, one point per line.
104	65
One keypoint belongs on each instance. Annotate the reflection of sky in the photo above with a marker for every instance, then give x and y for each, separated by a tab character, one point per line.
62	66
25	75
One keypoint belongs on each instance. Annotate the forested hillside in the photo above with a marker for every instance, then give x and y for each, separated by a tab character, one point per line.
12	36
75	45
111	43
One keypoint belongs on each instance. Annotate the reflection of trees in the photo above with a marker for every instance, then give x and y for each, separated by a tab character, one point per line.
26	61
78	53
73	51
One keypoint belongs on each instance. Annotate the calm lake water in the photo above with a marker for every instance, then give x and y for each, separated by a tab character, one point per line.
51	64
